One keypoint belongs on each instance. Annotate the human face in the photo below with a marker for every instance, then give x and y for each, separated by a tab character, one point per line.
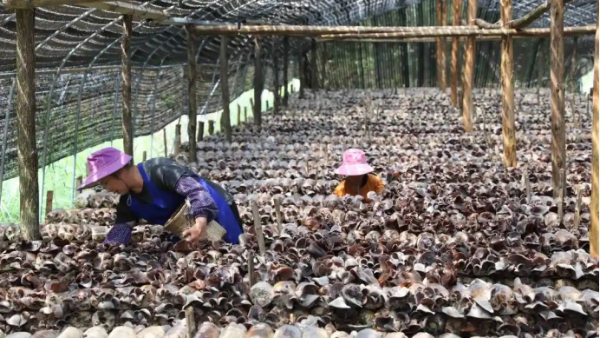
354	180
113	184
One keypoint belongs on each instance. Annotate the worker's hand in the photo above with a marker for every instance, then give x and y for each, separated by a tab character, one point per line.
197	231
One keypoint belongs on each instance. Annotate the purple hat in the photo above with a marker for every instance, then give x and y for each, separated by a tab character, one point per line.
355	163
102	163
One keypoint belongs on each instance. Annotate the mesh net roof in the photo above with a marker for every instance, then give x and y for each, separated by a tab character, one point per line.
80	109
78	36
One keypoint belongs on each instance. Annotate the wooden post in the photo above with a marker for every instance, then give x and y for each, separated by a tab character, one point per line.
276	85
211	127
226	114
49	198
78	182
286	62
508	99
258	229
26	140
239	115
126	85
301	74
245	114
469	71
313	66
593	233
278	216
258	83
441	47
557	11
165	141
456	10
192	106
177	144
144	154
200	131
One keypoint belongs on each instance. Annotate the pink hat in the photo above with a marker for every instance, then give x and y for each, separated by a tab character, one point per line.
102	163
355	163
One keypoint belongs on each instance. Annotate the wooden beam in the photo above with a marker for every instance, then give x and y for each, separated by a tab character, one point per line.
26	141
557	56
569	31
593	233
508	98
226	114
31	4
469	71
459	31
127	8
126	85
359	31
286	63
440	46
192	103
258	82
456	10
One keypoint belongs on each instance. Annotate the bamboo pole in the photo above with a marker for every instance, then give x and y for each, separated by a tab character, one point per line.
469	71
286	63
258	82
456	10
301	74
226	114
276	85
26	142
211	127
49	199
532	33
557	91
313	66
440	45
324	65
192	103
508	99
165	141
31	4
144	156
521	22
130	9
593	233
177	144
369	32
200	131
126	85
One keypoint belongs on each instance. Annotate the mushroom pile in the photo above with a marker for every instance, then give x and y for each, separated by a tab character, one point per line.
456	243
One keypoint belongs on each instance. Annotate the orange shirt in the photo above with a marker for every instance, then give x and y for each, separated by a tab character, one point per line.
374	183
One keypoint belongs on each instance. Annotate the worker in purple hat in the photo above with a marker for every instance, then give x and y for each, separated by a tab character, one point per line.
359	179
154	190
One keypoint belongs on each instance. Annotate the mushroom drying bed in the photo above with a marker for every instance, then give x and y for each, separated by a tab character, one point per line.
455	245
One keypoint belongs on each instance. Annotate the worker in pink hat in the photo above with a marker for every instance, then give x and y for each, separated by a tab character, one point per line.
154	190
359	178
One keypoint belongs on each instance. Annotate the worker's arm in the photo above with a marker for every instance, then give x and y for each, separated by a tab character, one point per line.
201	203
340	190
